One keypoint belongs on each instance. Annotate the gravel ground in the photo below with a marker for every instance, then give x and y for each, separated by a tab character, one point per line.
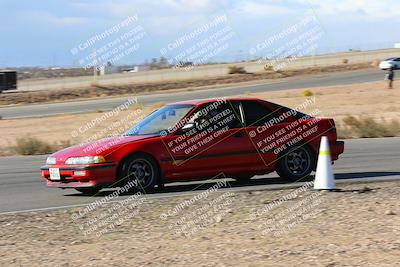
358	226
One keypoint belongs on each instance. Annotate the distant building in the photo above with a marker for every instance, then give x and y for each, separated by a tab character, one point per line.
135	68
8	80
103	70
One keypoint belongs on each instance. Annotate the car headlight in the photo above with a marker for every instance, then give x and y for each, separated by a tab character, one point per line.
51	160
84	160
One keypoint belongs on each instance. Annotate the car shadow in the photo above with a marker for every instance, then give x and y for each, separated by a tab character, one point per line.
206	184
353	175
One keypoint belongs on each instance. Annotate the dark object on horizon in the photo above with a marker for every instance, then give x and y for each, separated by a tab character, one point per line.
390	78
8	80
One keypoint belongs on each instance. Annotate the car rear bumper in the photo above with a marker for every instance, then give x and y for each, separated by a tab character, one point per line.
99	175
337	148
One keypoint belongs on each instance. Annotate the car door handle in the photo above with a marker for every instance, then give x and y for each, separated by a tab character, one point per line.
238	134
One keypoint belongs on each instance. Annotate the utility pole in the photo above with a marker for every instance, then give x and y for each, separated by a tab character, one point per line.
94	67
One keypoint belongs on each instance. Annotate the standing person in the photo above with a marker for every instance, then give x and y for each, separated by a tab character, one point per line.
390	77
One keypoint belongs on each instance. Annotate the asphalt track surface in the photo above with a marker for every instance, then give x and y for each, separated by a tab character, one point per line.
330	79
22	190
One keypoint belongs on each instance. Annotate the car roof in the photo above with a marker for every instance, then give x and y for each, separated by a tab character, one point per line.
210	100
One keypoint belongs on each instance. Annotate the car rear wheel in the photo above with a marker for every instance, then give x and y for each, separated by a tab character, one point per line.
88	191
140	172
296	163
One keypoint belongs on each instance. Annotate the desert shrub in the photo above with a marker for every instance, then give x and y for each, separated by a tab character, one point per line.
375	63
236	70
32	146
268	67
64	144
367	127
345	61
308	93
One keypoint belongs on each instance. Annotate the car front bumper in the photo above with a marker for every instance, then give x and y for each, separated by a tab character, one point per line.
96	175
386	66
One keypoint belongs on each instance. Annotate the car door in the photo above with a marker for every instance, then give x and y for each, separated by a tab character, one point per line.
216	144
264	127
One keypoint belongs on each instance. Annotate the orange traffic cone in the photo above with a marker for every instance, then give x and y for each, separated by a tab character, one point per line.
324	179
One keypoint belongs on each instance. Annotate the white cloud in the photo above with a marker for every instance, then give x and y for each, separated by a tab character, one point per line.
356	9
46	17
361	8
158	8
264	9
163	17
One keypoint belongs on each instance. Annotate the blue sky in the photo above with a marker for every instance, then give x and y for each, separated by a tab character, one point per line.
42	33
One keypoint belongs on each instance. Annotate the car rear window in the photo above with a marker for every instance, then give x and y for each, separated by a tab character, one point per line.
282	109
256	113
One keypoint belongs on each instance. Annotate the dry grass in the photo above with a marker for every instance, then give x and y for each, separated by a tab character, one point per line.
35	146
236	70
367	127
32	146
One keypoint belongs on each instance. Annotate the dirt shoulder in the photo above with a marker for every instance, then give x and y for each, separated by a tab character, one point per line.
356	227
129	89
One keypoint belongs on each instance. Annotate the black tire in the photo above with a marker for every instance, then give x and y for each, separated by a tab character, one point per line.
142	170
88	191
296	163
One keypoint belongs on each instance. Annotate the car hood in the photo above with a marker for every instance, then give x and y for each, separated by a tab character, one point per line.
98	147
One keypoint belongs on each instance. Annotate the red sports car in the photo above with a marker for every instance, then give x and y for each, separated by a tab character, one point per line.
199	139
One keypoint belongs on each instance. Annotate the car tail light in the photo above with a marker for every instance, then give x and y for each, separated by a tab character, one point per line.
332	126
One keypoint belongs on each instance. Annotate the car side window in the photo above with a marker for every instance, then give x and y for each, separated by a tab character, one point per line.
236	121
219	114
256	114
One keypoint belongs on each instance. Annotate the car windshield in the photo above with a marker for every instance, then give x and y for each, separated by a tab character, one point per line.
164	119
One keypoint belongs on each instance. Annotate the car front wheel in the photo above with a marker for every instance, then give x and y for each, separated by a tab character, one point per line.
296	163
140	172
